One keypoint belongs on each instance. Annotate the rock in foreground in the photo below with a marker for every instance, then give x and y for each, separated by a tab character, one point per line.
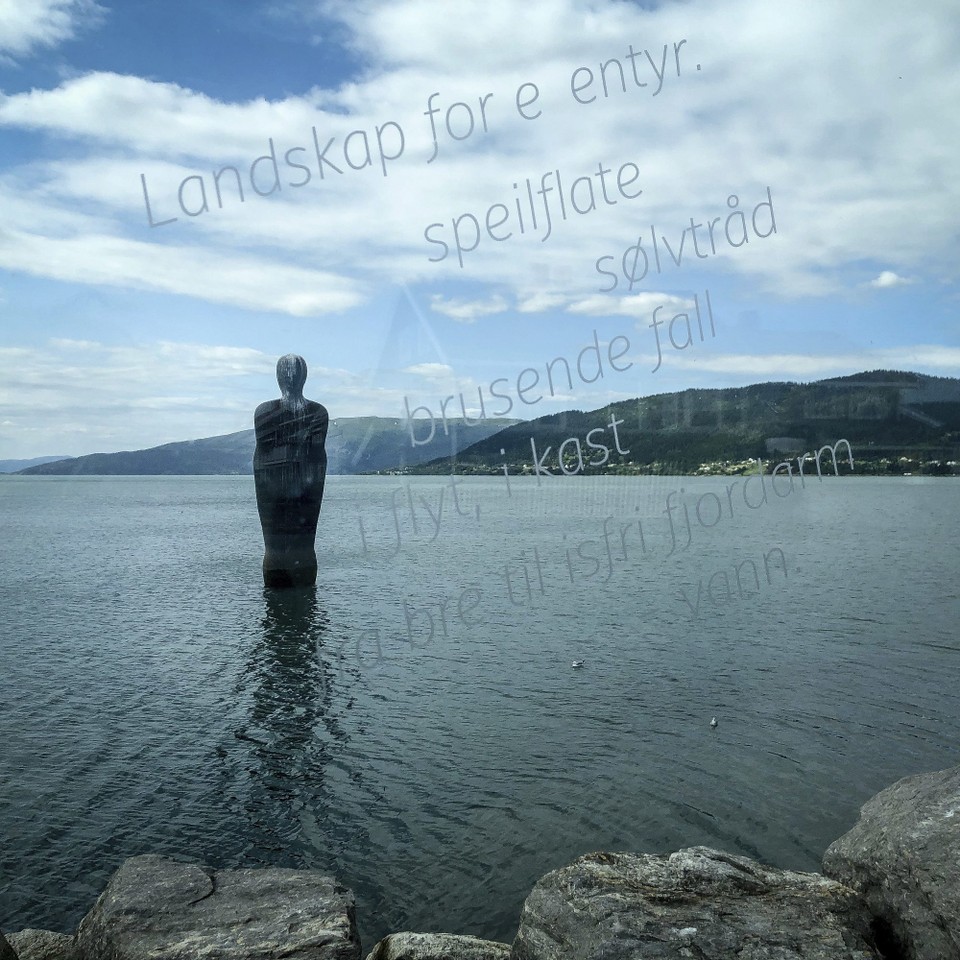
697	903
437	946
902	857
155	908
43	945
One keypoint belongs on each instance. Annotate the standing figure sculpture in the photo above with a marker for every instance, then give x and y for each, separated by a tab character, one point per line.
289	469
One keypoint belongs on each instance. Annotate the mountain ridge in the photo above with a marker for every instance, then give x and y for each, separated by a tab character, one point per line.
886	415
354	445
15	466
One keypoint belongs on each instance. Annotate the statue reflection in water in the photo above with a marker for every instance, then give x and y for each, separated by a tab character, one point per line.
296	694
289	469
297	775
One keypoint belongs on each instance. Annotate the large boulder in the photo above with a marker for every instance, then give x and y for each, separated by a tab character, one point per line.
902	856
155	908
437	946
33	944
694	903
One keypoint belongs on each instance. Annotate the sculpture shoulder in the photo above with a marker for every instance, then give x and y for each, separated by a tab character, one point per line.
317	410
272	413
266	408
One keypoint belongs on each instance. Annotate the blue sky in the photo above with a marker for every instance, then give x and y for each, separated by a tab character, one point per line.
117	334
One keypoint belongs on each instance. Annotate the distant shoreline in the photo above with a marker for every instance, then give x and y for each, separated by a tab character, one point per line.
869	469
882	467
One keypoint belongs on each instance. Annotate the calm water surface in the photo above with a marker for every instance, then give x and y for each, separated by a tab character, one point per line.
153	698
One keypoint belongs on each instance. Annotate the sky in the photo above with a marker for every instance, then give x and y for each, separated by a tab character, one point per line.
426	198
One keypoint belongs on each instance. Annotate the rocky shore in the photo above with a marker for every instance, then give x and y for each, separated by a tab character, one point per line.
890	890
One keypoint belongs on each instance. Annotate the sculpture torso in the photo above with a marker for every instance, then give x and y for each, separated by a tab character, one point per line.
290	458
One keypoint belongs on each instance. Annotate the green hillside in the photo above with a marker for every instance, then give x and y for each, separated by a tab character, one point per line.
885	415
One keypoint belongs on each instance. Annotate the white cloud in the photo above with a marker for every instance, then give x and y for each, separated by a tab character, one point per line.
634	305
938	360
66	364
26	25
889	279
80	396
872	160
540	302
466	311
432	371
223	276
154	119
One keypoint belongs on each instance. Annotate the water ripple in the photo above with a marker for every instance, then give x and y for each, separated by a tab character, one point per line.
156	699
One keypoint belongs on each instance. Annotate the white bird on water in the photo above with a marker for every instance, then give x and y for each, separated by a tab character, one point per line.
713	722
576	664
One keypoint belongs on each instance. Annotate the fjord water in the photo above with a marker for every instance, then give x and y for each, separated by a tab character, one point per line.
153	697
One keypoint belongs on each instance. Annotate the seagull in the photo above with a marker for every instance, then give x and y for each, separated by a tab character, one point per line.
713	722
576	664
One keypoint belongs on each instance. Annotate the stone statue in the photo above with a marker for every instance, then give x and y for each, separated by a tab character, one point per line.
289	469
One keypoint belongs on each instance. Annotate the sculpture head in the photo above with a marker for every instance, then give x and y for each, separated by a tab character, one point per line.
291	374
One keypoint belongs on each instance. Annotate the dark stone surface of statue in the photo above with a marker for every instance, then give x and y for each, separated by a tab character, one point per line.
289	469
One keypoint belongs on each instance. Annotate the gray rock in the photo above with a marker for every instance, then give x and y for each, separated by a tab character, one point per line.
155	908
696	903
902	857
6	951
33	944
437	946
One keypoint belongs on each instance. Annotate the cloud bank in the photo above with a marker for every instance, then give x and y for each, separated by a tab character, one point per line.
817	102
